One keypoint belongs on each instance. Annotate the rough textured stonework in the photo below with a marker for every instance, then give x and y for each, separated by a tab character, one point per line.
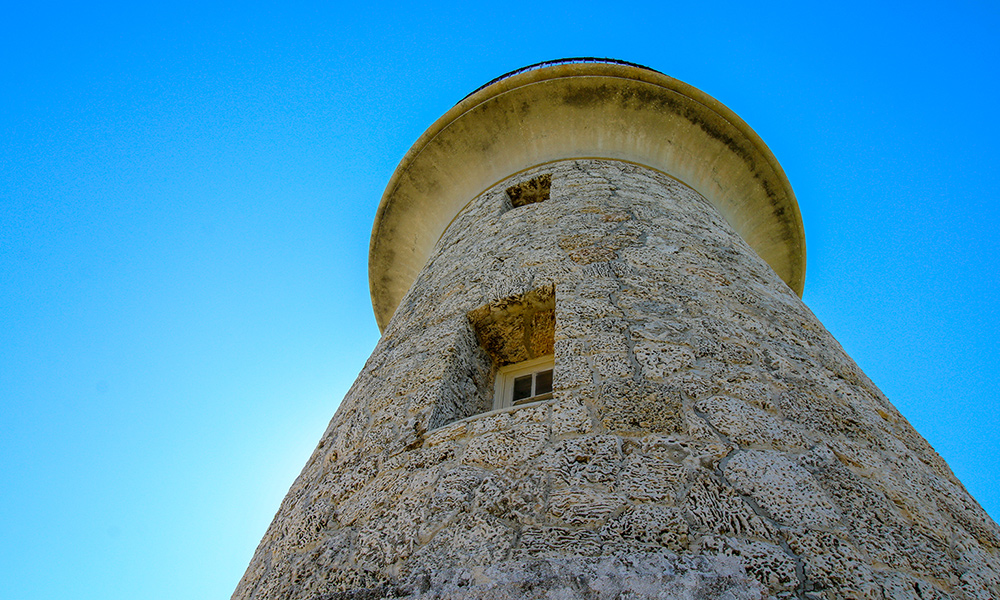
708	438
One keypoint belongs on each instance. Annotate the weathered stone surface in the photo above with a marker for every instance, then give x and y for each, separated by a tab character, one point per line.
604	578
707	438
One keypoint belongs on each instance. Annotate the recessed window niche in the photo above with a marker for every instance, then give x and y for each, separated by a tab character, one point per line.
517	334
501	356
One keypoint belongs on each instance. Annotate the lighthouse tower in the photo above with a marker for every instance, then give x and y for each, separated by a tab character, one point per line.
596	379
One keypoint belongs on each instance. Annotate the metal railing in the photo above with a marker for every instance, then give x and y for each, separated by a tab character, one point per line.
560	61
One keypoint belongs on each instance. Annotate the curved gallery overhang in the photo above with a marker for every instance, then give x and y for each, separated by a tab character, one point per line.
568	110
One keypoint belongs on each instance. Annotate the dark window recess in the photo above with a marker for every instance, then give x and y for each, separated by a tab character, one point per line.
532	387
522	387
543	382
530	191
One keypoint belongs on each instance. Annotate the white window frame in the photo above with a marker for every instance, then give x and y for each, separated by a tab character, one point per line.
503	389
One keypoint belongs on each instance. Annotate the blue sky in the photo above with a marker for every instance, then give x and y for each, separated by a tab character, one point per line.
187	192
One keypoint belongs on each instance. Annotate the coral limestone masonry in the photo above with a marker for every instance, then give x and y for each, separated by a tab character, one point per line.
596	379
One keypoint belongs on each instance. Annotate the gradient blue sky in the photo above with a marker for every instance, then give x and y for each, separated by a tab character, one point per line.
187	192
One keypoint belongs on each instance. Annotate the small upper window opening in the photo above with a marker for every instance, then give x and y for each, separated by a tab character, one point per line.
530	191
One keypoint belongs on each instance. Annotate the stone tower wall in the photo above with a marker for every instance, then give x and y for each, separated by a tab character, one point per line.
707	435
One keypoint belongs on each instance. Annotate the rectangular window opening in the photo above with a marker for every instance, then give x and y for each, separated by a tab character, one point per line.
530	191
524	382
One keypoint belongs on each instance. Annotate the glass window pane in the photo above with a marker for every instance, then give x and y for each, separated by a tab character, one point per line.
522	387
543	382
